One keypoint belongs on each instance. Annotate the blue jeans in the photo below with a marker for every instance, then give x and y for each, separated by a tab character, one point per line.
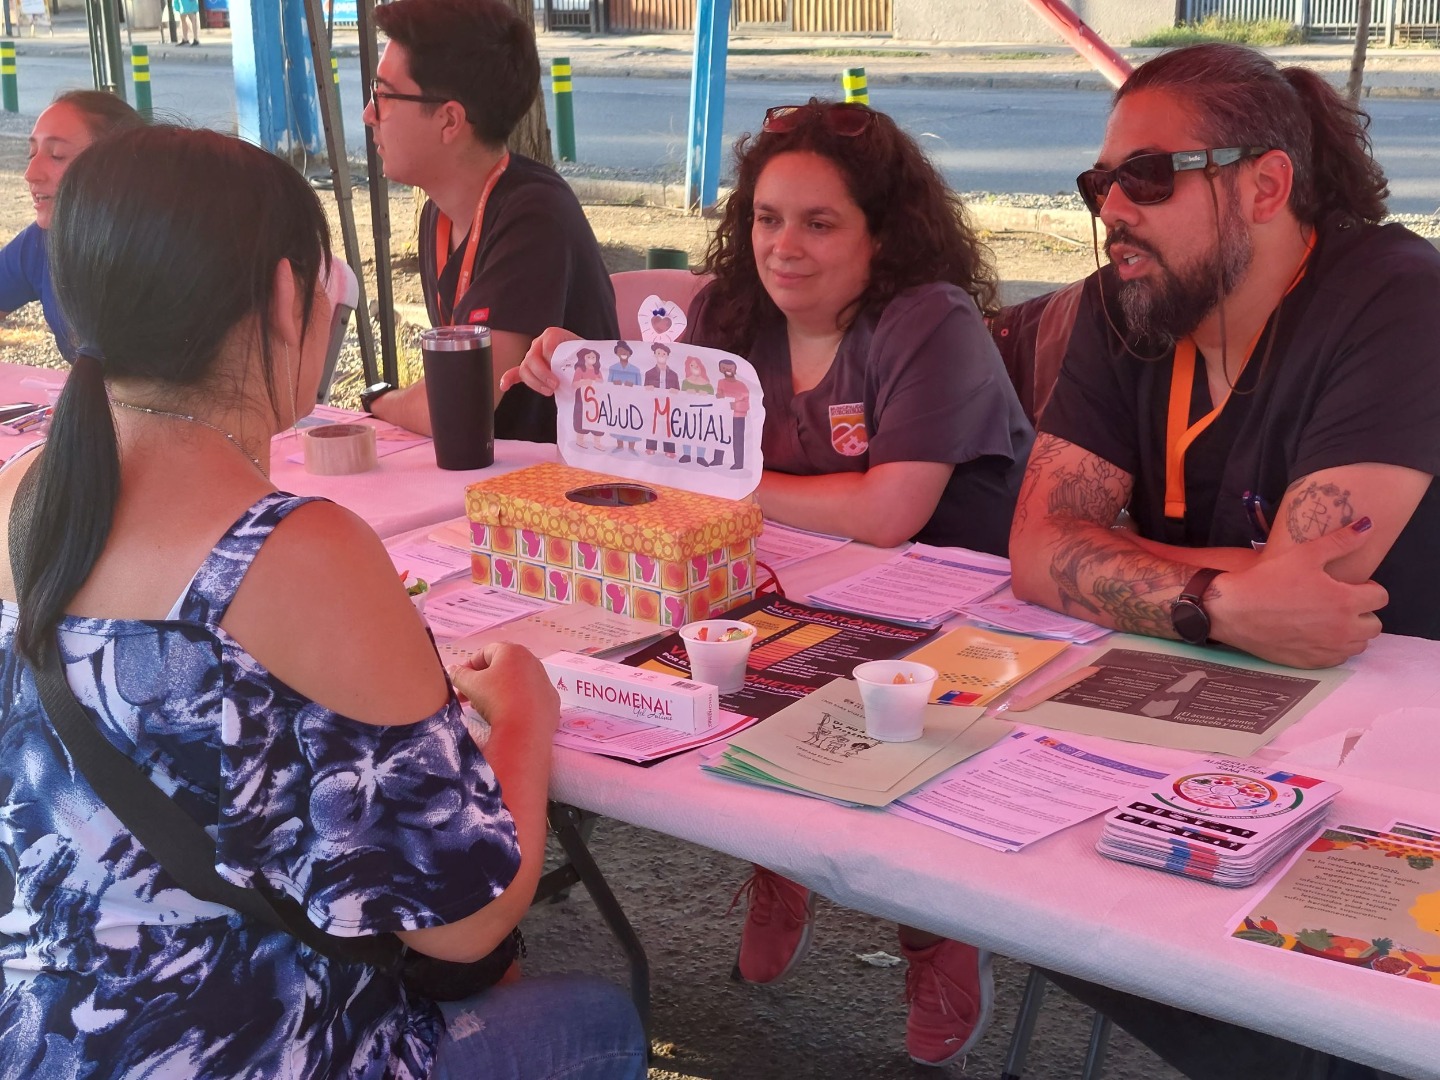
573	1027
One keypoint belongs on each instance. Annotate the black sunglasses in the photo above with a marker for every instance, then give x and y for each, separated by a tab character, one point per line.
840	118
386	95
1148	179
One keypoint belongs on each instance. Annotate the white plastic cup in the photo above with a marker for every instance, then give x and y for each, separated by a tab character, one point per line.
719	663
894	711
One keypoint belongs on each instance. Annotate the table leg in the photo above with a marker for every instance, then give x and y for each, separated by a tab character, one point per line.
1024	1026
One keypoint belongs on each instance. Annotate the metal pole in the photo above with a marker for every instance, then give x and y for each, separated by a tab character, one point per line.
140	66
564	108
857	89
1083	40
334	124
106	59
707	104
9	26
9	85
170	10
379	207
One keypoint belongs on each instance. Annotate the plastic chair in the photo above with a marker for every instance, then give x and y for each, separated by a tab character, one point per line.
633	286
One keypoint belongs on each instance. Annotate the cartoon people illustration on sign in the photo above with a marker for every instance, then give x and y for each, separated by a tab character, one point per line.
587	369
624	373
662	377
696	381
739	394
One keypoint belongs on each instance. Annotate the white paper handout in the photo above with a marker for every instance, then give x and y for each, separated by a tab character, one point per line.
1025	788
477	607
661	413
631	740
428	560
1004	612
921	584
780	546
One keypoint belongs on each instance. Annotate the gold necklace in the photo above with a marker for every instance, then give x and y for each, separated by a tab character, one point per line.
195	420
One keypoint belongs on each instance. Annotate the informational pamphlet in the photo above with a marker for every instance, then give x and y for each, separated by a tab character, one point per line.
797	650
780	546
1004	612
1026	787
429	561
630	740
1219	819
467	611
819	746
922	585
976	666
1168	694
1359	897
576	628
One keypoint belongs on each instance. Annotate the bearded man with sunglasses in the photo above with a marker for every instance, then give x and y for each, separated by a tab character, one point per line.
1255	378
503	240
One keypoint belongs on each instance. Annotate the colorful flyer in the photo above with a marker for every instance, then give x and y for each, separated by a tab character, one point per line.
799	649
661	412
976	666
1355	897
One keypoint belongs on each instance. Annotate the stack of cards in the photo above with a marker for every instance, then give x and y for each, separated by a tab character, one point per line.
1220	820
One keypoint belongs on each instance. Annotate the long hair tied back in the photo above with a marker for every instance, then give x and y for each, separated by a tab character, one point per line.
163	241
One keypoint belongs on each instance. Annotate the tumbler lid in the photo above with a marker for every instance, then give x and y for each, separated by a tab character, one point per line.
455	338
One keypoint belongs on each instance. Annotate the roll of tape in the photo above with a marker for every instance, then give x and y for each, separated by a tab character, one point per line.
337	449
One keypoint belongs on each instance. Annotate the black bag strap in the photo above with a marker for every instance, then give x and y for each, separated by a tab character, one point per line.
172	837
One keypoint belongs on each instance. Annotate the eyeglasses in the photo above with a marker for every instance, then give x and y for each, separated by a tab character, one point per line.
840	118
1148	179
377	95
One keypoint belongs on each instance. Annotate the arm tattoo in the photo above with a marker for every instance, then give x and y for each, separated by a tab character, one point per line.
1316	509
1042	455
1105	576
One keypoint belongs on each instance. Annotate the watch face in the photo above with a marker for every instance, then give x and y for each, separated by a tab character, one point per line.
1190	621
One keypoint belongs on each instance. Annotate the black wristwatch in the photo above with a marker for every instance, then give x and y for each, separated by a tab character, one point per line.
1187	611
373	393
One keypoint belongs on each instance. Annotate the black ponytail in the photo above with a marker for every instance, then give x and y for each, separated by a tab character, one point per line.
78	485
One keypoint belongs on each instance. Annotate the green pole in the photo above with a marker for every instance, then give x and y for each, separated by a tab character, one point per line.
9	88
564	108
857	90
335	69
140	66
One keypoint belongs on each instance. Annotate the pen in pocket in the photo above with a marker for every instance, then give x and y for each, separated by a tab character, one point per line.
1259	519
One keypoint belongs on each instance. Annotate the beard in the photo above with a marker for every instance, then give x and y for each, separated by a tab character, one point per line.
1170	305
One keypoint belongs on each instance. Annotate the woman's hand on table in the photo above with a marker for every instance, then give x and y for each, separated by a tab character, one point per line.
534	371
505	683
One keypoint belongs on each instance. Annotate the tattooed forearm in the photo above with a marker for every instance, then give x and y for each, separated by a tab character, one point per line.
1042	455
1316	508
1106	576
1093	490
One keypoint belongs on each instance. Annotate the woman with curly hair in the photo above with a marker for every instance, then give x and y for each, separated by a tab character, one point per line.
846	273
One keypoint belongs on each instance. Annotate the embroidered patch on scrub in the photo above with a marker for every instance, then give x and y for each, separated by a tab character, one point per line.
480	315
847	429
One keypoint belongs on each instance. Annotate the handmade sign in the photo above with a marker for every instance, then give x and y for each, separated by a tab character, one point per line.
660	411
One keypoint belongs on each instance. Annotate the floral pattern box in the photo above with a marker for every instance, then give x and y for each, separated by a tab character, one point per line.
677	557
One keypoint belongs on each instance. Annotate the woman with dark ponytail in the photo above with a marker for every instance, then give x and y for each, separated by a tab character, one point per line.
255	658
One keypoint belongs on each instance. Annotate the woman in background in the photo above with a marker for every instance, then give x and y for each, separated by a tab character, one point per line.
73	121
846	273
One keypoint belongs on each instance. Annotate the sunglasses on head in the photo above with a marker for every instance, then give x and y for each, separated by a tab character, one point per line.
1147	179
840	118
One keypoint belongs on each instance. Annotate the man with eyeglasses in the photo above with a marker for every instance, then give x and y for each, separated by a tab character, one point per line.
1256	379
503	240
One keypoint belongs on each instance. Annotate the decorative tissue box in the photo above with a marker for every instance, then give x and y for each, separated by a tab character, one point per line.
672	560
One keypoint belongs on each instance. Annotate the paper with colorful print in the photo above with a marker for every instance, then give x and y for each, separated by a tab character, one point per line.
1357	897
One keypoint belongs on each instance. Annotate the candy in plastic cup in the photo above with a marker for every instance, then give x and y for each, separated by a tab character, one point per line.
713	658
894	693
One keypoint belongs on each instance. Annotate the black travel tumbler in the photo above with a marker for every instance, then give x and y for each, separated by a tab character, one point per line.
460	387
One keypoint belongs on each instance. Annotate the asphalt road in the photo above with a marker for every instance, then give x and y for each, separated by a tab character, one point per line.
1010	140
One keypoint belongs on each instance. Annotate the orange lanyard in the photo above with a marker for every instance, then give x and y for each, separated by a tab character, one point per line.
472	245
1179	436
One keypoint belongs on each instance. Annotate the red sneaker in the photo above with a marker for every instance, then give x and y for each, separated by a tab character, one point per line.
951	990
779	921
